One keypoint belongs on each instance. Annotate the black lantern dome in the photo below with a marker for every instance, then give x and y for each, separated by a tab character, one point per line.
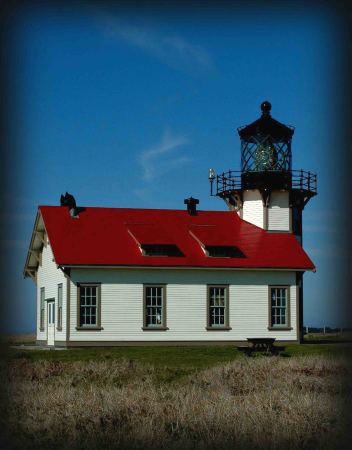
266	166
266	144
266	125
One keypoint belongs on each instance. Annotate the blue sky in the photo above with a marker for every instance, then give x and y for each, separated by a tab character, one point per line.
130	108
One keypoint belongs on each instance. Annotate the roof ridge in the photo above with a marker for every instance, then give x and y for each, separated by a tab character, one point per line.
138	209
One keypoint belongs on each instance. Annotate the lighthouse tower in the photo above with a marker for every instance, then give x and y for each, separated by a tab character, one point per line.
266	191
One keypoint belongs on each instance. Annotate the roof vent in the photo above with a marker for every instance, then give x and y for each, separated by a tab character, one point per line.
191	205
69	201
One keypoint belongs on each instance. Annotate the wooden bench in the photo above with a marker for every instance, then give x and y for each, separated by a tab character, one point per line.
265	345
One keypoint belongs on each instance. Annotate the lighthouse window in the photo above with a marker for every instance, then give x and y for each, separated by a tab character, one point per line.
154	307
161	250
279	306
222	251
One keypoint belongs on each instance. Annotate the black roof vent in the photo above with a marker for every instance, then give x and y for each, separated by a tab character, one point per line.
191	205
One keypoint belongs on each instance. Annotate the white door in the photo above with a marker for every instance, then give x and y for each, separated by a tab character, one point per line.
51	323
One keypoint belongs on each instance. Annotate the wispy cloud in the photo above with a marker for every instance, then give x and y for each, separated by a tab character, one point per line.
168	47
160	159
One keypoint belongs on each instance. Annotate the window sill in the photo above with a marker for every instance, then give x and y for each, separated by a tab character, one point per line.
280	328
41	329
89	328
218	328
155	328
58	328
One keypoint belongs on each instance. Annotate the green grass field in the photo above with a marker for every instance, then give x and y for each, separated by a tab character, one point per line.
188	357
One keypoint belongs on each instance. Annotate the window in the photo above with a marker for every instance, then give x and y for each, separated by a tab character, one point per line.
223	251
279	316
88	306
59	306
154	307
42	307
218	308
161	250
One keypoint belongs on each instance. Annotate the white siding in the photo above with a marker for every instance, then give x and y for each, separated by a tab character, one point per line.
253	210
279	212
122	304
48	276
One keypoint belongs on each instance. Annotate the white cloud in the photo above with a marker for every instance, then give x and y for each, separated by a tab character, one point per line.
169	48
158	160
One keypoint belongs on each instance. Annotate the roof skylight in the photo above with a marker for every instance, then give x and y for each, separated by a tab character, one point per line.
161	250
223	251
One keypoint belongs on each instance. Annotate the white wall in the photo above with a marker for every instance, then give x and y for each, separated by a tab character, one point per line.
48	276
122	304
279	212
253	210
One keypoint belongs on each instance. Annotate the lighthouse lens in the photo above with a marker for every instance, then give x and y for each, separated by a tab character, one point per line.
265	157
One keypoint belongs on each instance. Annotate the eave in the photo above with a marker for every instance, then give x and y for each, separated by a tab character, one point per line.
38	240
121	266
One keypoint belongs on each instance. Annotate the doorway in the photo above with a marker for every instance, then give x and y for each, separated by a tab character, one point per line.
51	322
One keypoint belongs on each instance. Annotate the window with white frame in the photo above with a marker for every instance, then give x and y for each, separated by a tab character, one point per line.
59	306
88	305
42	307
154	307
279	306
218	314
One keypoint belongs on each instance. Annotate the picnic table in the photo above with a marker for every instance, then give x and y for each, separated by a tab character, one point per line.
261	345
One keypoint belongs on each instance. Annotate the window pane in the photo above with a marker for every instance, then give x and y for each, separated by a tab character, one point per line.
279	306
154	305
42	297
88	305
217	306
59	295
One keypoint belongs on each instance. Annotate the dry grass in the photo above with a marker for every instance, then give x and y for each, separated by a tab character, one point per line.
252	403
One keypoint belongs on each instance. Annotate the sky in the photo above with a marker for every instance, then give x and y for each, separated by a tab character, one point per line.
130	108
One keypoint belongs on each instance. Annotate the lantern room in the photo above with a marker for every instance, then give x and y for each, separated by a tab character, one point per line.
266	144
266	191
266	158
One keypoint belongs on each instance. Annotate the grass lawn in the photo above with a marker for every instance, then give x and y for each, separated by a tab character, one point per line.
345	336
188	357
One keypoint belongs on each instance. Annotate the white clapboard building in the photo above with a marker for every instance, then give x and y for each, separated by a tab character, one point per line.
120	276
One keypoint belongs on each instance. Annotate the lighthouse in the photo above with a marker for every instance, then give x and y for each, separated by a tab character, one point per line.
266	192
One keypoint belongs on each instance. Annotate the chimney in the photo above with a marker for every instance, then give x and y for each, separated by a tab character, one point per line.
69	201
191	205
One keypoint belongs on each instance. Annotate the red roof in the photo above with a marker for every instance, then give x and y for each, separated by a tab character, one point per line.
110	237
149	233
